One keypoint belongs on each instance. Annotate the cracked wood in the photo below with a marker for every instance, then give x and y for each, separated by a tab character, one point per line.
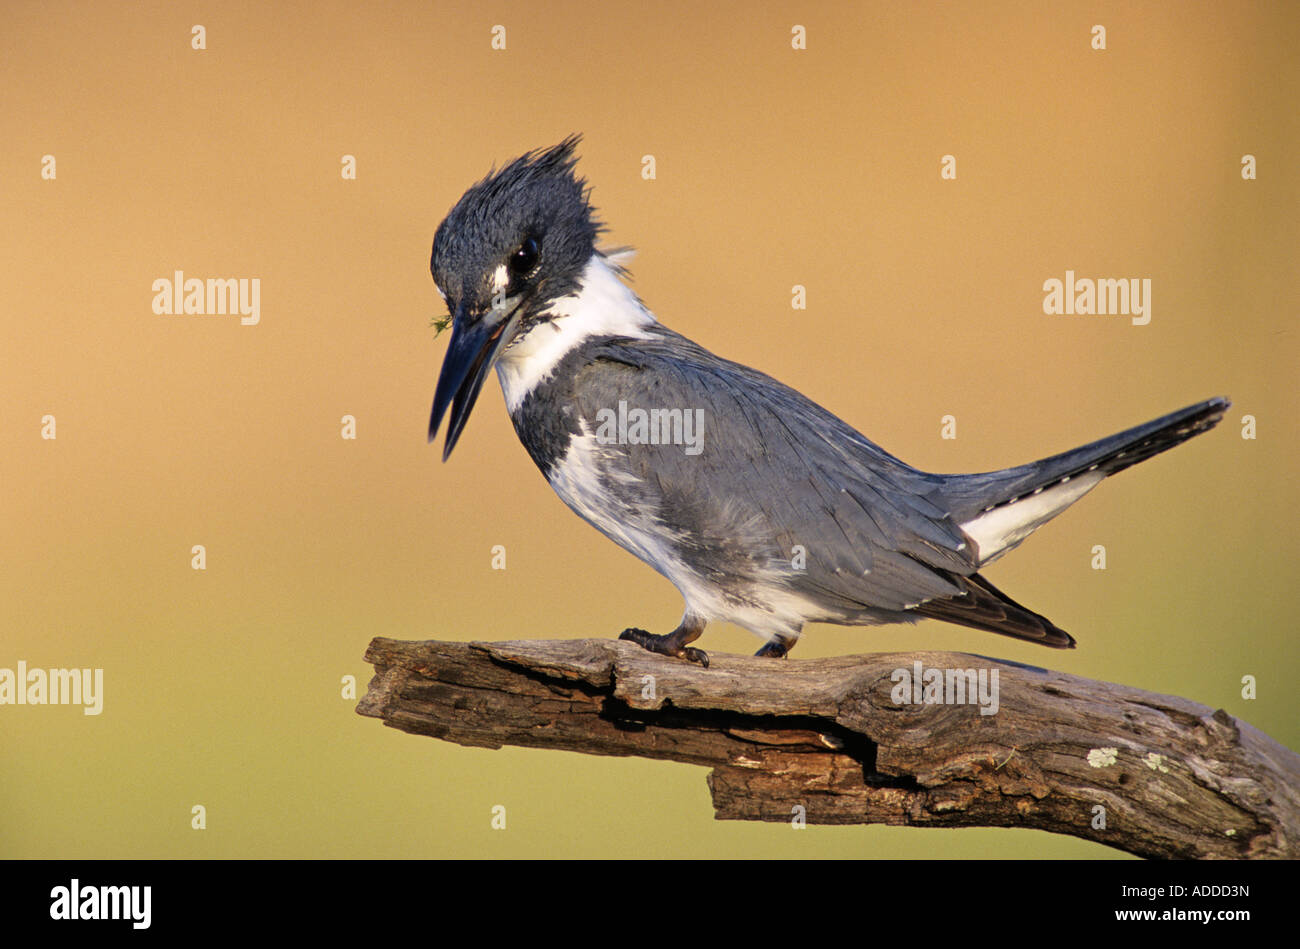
1176	779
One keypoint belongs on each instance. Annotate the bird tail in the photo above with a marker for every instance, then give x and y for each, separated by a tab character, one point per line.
981	605
999	509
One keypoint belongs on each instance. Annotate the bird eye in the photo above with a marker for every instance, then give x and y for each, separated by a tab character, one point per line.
524	261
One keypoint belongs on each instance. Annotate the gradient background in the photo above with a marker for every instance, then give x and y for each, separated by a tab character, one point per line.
775	167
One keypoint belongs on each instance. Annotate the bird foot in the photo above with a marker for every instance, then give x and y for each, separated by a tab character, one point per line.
667	645
775	648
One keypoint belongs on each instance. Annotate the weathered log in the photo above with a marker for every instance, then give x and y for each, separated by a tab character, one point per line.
845	741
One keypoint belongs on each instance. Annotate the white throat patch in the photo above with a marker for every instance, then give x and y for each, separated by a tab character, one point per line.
601	306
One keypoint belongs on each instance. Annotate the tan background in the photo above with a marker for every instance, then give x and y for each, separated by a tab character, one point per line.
775	167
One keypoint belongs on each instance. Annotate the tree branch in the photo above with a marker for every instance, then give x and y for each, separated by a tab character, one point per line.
830	736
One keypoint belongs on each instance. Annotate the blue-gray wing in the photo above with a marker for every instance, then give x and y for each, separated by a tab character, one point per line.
762	482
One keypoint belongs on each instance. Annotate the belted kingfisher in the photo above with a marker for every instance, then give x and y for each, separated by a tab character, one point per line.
760	506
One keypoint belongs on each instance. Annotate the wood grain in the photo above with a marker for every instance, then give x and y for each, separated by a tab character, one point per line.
825	739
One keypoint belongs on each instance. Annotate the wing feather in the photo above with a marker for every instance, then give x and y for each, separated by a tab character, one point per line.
787	471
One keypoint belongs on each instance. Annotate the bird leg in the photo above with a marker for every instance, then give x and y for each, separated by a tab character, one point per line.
674	643
778	647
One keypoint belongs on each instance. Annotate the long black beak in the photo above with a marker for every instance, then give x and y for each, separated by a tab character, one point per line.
473	350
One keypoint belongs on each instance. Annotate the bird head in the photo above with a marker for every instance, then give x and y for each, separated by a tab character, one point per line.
513	243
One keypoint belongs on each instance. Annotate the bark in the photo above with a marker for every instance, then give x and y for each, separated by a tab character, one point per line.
829	742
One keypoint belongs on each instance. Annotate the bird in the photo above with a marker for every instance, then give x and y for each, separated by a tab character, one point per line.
762	508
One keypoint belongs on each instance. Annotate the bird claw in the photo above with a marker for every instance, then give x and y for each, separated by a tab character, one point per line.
691	654
665	646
